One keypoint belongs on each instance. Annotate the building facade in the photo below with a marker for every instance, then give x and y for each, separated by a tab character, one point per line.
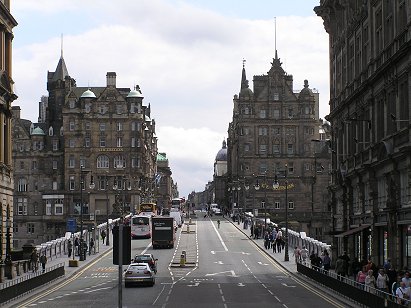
370	118
164	182
7	96
275	136
91	157
220	178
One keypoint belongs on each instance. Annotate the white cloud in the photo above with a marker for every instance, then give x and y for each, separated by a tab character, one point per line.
187	61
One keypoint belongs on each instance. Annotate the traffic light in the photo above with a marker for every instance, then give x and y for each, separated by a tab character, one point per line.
126	245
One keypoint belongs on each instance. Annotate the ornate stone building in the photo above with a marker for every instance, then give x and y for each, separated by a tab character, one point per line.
370	111
7	96
164	182
220	177
91	156
275	135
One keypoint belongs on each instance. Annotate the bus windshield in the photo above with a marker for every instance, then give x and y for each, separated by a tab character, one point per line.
140	221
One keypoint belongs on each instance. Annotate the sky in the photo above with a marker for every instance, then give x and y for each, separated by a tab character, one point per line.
186	56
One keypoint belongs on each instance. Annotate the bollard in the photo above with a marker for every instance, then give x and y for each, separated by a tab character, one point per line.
189	221
185	256
188	228
182	260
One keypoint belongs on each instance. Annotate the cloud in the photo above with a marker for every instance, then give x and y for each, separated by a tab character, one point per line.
186	60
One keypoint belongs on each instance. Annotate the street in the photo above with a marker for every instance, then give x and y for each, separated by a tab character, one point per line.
231	272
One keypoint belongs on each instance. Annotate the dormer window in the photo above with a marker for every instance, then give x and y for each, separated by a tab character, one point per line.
51	131
72	104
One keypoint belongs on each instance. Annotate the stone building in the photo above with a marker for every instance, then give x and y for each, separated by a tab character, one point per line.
92	156
370	113
164	182
275	135
220	177
7	96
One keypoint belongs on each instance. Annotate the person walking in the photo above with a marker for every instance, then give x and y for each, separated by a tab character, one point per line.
304	255
76	246
361	275
69	248
34	259
326	262
297	254
103	235
382	281
43	261
91	245
370	282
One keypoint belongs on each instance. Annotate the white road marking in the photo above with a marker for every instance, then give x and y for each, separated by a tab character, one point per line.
145	250
219	236
284	284
261	263
219	262
241	284
232	273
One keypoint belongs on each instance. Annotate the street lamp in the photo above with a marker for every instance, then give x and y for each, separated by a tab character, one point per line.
107	214
276	185
264	203
82	255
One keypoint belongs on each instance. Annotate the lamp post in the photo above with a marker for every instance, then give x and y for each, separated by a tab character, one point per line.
81	214
107	214
276	185
264	203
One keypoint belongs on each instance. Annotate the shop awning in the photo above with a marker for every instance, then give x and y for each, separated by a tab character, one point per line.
353	231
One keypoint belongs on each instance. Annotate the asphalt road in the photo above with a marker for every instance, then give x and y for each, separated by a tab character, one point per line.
231	272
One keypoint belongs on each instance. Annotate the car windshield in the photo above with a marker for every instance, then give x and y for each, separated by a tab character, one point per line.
138	267
142	258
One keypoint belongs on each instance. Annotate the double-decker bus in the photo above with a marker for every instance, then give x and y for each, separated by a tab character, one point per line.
140	226
177	203
148	207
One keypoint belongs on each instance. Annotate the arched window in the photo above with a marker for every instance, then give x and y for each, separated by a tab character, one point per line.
22	185
51	131
103	161
119	162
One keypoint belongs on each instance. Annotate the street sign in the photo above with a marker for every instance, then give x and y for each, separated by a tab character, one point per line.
71	225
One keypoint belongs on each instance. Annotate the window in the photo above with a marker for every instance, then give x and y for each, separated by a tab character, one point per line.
103	161
58	207
276	149
87	142
119	126
119	162
102	141
246	147
307	167
54	185
72	161
262	131
21	206
119	142
135	162
246	111
34	165
291	205
263	148
276	114
290	148
132	108
102	109
262	168
263	114
276	205
102	127
72	126
290	112
276	130
119	109
72	143
72	104
246	131
276	96
30	228
72	183
135	126
88	108
51	131
22	185
133	142
55	145
48	207
291	168
88	125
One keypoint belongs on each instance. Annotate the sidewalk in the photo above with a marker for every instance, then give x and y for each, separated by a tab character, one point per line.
291	267
57	261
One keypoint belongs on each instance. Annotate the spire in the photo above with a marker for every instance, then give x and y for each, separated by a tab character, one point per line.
244	82
61	70
224	144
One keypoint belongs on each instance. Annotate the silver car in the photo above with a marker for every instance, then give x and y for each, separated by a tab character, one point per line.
139	273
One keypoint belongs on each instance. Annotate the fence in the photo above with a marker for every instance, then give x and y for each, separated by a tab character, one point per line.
349	288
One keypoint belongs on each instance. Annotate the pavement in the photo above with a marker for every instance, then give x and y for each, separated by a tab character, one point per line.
291	267
55	261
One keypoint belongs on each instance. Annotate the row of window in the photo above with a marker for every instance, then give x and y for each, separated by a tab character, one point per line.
135	126
103	108
277	205
289	112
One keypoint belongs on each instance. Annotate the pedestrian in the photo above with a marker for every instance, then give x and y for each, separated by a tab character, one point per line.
326	261
279	240
361	275
370	282
403	294
304	255
340	268
103	235
77	245
266	240
91	245
69	248
346	259
355	267
43	261
252	231
85	247
297	254
407	279
34	259
392	277
382	281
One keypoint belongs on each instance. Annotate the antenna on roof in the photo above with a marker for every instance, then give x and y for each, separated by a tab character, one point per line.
275	36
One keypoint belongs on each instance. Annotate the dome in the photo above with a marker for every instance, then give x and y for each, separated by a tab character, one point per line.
222	154
135	93
306	90
88	94
38	132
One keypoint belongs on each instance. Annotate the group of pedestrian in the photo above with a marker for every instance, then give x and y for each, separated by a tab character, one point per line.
36	258
77	249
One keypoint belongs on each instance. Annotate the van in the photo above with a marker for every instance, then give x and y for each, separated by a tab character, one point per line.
177	217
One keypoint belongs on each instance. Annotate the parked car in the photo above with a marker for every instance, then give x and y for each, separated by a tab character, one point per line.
217	212
147	258
139	273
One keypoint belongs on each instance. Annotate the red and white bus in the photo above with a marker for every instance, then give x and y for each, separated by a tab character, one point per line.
140	226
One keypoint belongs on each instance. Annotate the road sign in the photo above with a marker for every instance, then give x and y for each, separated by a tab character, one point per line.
71	225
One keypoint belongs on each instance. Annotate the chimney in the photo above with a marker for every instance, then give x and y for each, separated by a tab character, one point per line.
111	79
15	110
